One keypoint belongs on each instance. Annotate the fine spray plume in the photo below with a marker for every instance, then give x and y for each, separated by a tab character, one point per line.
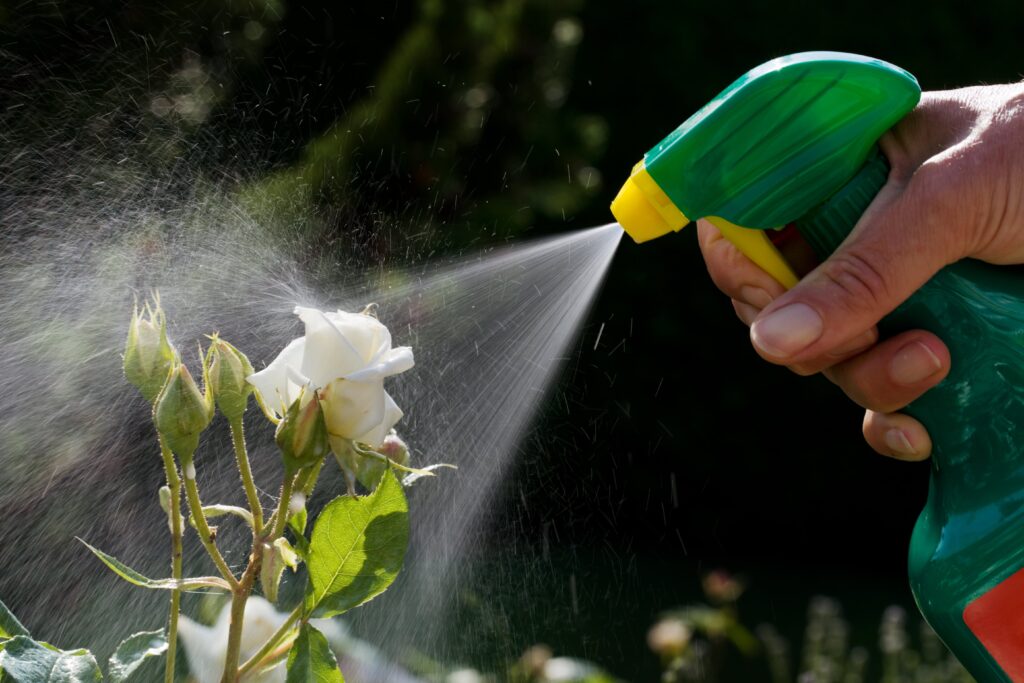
96	223
791	147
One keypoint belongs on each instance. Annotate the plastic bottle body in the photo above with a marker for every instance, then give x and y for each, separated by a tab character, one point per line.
969	539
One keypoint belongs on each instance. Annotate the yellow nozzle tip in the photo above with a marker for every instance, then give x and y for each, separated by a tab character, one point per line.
643	209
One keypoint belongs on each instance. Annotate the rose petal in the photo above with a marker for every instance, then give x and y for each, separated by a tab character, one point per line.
392	414
273	381
330	353
353	408
389	363
367	334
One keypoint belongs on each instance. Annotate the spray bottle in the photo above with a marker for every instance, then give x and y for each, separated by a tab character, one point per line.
793	143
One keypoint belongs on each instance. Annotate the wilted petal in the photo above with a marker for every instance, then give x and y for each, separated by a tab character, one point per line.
330	352
391	362
273	381
353	408
392	414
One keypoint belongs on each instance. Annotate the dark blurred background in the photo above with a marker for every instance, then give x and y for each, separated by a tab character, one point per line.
668	449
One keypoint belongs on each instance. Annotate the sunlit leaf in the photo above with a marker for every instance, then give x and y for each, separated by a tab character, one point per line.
23	660
9	624
134	577
311	659
133	653
357	548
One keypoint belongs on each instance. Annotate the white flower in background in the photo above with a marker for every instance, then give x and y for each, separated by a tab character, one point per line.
347	356
206	646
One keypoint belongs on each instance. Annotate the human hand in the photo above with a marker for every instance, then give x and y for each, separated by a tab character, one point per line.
956	190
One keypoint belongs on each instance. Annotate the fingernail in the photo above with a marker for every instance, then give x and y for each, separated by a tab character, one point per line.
745	312
788	330
914	363
755	296
897	440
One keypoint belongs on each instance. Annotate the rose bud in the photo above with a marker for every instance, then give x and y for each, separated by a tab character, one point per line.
228	367
669	637
148	355
181	413
394	449
302	433
369	470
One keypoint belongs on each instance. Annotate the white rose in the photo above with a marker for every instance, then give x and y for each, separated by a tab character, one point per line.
347	355
207	646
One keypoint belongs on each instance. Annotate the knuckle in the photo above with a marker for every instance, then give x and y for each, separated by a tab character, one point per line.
861	283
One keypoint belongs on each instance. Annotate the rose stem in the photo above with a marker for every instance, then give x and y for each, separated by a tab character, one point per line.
239	596
202	526
273	641
174	484
240	591
242	457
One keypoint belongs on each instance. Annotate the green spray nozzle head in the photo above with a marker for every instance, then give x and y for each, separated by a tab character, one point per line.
769	148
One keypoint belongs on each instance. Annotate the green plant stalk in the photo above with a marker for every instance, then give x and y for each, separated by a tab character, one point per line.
239	596
281	516
242	458
273	642
202	526
240	592
174	484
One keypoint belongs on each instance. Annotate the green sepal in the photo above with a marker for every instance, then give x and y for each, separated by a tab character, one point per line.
302	433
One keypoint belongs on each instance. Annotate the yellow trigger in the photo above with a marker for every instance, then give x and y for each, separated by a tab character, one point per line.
756	246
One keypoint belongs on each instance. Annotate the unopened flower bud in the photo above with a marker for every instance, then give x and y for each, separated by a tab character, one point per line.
182	412
228	368
302	433
148	355
721	587
274	560
165	499
369	470
669	637
394	449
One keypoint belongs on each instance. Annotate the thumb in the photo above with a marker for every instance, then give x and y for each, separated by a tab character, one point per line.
907	235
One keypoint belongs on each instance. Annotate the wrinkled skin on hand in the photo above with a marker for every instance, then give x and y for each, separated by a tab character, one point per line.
956	190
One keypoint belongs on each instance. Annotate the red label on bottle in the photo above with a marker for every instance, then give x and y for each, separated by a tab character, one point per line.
997	620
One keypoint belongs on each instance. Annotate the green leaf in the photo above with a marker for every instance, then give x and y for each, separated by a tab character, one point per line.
357	548
311	659
9	624
133	653
134	577
23	660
